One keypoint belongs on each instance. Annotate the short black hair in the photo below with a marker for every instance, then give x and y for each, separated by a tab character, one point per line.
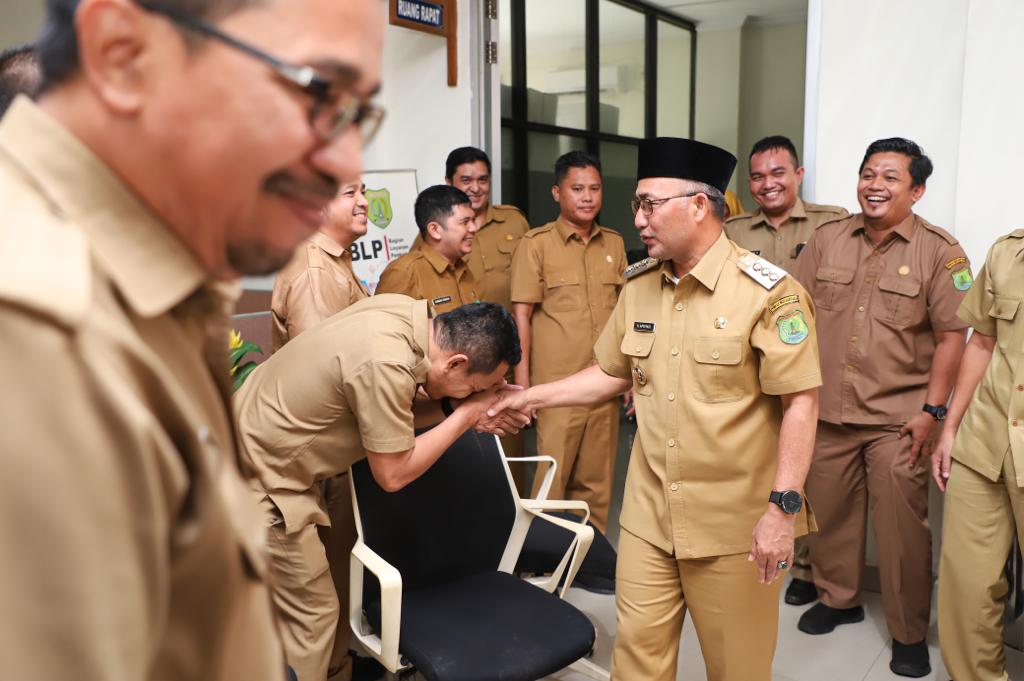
436	204
485	332
19	74
775	142
462	156
57	46
575	159
920	164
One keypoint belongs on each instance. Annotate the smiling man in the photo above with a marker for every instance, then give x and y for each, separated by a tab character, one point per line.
566	277
887	285
435	268
780	227
173	148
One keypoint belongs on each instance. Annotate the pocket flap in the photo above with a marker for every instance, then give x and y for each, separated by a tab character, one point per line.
507	245
905	286
637	344
1005	307
556	279
611	277
838	275
718	350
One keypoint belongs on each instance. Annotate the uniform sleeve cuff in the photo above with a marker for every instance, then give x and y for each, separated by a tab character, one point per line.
791	386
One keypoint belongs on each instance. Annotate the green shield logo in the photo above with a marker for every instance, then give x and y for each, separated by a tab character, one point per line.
379	211
793	328
962	280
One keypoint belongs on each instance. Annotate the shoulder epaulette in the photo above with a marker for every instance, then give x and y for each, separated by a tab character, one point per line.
761	271
833	221
949	238
737	217
641	266
543	229
825	208
508	206
1015	234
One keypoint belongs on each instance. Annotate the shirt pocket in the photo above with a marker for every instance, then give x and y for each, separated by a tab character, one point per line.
833	290
637	346
609	284
1008	326
900	300
562	291
717	370
502	258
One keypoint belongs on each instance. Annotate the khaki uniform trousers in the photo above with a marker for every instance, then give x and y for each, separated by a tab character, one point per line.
979	521
583	442
736	617
338	540
801	568
303	594
856	468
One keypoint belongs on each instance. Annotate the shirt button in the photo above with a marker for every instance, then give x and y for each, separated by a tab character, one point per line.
638	348
675	351
860	308
671	443
1015	423
671	396
867	280
853	339
674	487
679	306
715	355
849	367
1020	388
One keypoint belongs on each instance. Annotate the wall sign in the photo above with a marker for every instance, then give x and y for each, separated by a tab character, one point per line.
438	17
391	226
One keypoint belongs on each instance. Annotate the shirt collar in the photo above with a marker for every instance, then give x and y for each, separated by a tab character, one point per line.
905	229
709	268
436	260
149	265
799	212
491	216
566	231
327	244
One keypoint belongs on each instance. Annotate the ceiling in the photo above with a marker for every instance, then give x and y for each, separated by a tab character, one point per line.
721	13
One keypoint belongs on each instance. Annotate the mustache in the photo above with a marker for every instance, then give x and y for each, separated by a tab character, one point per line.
321	185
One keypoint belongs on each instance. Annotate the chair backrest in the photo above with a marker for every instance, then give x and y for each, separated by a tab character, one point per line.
453	521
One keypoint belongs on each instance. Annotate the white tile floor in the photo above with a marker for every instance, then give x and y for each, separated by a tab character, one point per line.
853	652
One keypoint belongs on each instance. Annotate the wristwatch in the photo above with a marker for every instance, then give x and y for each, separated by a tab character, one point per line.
938	412
789	501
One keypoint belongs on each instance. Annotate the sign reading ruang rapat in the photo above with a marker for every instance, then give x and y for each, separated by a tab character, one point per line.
438	17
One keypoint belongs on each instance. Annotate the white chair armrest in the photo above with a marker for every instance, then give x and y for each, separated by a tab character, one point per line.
549	474
577	550
385	646
557	505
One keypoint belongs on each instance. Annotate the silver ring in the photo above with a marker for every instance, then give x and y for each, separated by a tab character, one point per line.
783	565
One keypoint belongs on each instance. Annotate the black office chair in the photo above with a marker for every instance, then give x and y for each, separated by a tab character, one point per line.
442	549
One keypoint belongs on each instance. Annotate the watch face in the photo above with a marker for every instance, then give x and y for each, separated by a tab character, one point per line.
791	502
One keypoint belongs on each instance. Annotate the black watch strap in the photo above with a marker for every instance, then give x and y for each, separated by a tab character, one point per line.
788	500
938	412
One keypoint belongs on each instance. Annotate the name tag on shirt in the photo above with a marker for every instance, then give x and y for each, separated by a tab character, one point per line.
442	300
643	327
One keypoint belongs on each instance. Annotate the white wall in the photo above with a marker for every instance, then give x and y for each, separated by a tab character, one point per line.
717	118
20	22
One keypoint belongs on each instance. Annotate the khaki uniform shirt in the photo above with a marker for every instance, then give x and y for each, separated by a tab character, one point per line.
491	258
994	423
425	274
708	357
878	309
343	387
131	546
573	287
317	283
780	246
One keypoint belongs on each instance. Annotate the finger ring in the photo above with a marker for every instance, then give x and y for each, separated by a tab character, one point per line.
783	565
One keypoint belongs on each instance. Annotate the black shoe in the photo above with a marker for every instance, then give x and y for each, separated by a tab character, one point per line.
910	659
801	592
822	619
366	669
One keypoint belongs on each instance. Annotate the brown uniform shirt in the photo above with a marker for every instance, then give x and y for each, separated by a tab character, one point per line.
878	309
425	274
491	258
317	283
707	358
334	392
779	246
574	287
994	423
131	547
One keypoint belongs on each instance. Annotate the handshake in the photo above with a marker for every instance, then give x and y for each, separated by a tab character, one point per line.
502	410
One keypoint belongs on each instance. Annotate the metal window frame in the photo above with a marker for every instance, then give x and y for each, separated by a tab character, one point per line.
521	127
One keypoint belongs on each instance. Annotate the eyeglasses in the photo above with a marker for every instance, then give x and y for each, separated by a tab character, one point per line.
335	108
648	205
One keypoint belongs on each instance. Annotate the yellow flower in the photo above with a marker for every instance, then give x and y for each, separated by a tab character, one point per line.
234	340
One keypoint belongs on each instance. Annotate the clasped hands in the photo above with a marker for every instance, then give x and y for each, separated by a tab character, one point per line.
494	416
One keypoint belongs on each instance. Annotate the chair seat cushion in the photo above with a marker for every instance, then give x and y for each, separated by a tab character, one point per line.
489	627
546	543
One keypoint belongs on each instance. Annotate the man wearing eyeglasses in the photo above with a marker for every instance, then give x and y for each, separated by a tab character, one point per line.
174	147
720	350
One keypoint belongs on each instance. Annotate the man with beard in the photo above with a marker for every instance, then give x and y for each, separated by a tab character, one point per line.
174	147
780	227
435	268
887	285
566	277
777	231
